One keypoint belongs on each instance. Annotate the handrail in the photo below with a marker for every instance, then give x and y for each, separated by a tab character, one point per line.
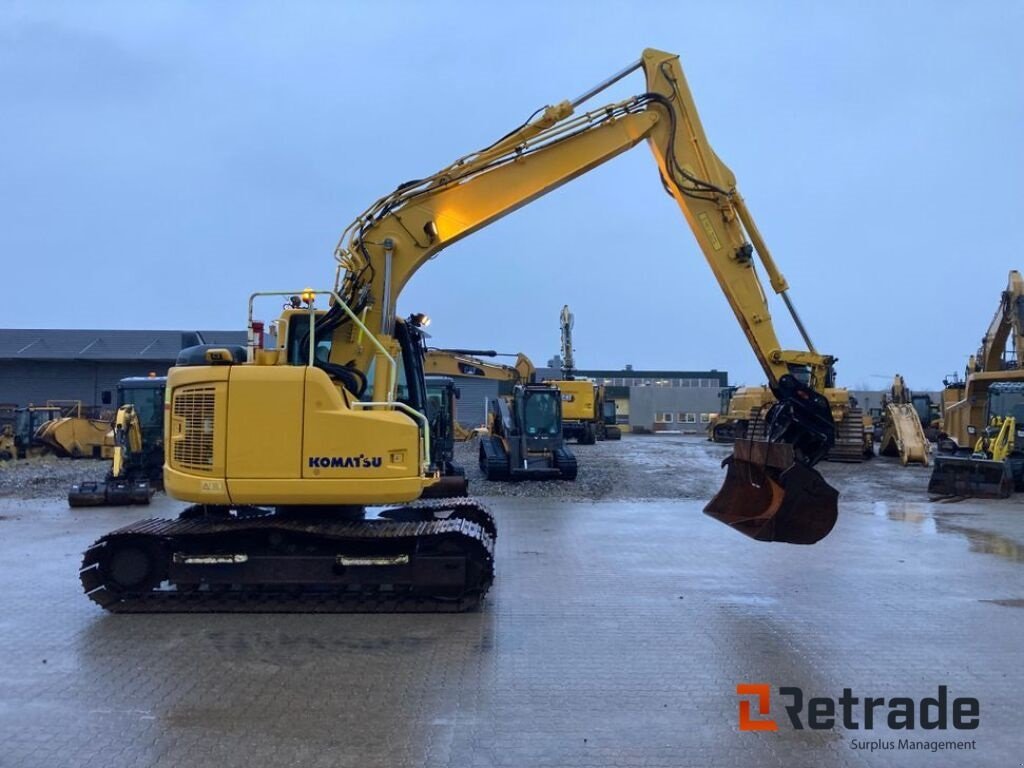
392	380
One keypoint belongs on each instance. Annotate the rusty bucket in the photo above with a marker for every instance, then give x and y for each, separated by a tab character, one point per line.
769	496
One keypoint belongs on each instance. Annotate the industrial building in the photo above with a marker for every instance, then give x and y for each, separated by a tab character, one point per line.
37	365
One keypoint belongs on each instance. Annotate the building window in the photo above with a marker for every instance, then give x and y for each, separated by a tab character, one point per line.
688	418
662	418
705	418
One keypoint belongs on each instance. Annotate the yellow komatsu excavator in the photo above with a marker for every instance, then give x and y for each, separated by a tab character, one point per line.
304	462
965	471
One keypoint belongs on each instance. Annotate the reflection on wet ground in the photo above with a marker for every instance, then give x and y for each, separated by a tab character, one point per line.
931	519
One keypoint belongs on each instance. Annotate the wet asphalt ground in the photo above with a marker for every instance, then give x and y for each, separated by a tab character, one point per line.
619	625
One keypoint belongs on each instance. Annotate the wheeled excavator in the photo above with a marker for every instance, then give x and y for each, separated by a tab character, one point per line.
968	468
304	462
585	418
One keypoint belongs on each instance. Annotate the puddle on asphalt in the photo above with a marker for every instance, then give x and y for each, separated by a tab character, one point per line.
928	520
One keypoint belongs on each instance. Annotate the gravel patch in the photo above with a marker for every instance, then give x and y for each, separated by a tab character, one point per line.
638	467
47	477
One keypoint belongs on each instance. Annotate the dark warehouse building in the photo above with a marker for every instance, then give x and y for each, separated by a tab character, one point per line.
37	365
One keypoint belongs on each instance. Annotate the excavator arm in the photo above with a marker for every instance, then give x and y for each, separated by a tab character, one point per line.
771	492
467	362
381	250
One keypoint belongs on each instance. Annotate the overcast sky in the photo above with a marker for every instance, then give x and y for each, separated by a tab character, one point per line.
160	161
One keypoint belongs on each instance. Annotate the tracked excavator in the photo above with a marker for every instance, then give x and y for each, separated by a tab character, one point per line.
467	362
136	441
903	434
585	418
523	438
304	462
968	468
744	410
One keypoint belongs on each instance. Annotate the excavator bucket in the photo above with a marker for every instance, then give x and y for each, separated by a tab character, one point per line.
769	496
968	476
110	493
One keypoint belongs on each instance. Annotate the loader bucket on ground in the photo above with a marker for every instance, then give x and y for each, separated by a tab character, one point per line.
770	497
971	477
111	493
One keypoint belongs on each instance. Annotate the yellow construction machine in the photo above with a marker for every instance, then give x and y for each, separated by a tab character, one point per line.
585	414
467	363
135	444
903	434
523	437
304	462
30	422
967	408
744	410
75	434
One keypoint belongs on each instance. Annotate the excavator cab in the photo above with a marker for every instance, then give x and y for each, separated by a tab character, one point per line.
771	490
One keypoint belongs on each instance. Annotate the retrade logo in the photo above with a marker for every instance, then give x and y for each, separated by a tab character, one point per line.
764	705
818	713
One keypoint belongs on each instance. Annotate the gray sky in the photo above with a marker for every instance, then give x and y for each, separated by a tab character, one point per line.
161	161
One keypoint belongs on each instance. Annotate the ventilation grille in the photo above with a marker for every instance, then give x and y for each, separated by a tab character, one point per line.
196	406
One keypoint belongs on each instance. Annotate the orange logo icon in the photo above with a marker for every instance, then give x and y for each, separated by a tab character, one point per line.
762	691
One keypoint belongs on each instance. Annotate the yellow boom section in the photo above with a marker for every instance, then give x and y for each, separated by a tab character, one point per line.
381	250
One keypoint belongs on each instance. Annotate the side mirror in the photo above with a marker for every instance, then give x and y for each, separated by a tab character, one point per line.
106	397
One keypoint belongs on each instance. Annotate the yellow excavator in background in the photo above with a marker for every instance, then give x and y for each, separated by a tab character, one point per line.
903	434
743	414
467	363
586	417
283	451
523	437
965	471
135	444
